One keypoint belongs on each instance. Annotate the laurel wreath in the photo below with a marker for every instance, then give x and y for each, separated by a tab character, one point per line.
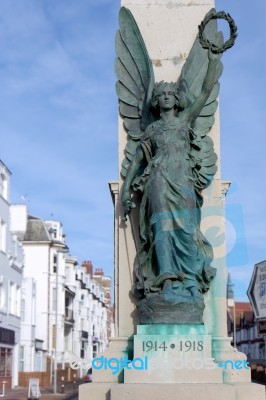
206	44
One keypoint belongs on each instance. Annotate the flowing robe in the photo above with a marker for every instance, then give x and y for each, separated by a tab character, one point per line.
172	245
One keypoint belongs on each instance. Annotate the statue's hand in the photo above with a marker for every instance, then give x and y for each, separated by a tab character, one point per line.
128	205
212	54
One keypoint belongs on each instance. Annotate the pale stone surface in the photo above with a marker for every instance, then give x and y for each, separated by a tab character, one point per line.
250	391
159	391
167	375
124	256
186	392
223	351
169	30
95	391
118	347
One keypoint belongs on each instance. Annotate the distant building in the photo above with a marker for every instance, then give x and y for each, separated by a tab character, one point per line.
65	307
105	284
11	268
31	358
52	311
97	286
249	340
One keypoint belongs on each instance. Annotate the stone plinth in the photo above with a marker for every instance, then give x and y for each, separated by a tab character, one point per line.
170	391
187	392
174	354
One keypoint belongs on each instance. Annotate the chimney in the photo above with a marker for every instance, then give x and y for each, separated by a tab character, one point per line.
88	265
99	272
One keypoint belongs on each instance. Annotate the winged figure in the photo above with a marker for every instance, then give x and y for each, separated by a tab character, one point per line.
169	160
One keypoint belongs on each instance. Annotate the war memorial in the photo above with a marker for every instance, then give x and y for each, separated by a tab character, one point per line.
170	280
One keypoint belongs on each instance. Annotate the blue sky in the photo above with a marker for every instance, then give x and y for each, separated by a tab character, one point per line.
58	122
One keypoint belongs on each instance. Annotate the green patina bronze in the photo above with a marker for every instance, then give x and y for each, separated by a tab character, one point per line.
169	160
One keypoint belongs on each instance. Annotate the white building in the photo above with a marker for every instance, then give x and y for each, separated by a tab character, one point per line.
11	267
247	334
64	308
70	296
45	246
49	306
30	360
90	315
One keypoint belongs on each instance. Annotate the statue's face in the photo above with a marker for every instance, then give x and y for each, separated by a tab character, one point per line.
166	97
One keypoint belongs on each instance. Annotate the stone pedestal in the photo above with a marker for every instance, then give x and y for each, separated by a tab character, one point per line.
173	354
187	392
170	391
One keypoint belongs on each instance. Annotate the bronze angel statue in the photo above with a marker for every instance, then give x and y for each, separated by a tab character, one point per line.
169	160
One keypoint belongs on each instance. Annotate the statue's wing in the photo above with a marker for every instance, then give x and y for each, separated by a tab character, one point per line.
191	79
135	82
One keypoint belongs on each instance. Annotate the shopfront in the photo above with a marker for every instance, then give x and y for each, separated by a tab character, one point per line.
7	342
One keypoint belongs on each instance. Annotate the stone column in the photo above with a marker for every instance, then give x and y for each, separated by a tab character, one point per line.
169	29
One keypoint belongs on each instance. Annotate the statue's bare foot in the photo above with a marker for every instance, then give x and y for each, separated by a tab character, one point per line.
181	276
195	293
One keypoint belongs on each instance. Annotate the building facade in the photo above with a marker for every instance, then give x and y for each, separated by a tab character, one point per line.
247	335
65	307
52	311
11	269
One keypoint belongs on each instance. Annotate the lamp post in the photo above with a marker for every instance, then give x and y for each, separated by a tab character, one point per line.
234	324
64	250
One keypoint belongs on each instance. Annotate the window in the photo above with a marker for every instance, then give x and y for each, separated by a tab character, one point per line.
54	299
67	273
5	362
2	294
83	349
12	302
3	186
33	304
38	361
53	336
262	289
3	236
54	264
18	301
21	358
95	350
22	310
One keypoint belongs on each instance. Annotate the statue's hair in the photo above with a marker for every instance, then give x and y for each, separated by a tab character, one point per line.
181	99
